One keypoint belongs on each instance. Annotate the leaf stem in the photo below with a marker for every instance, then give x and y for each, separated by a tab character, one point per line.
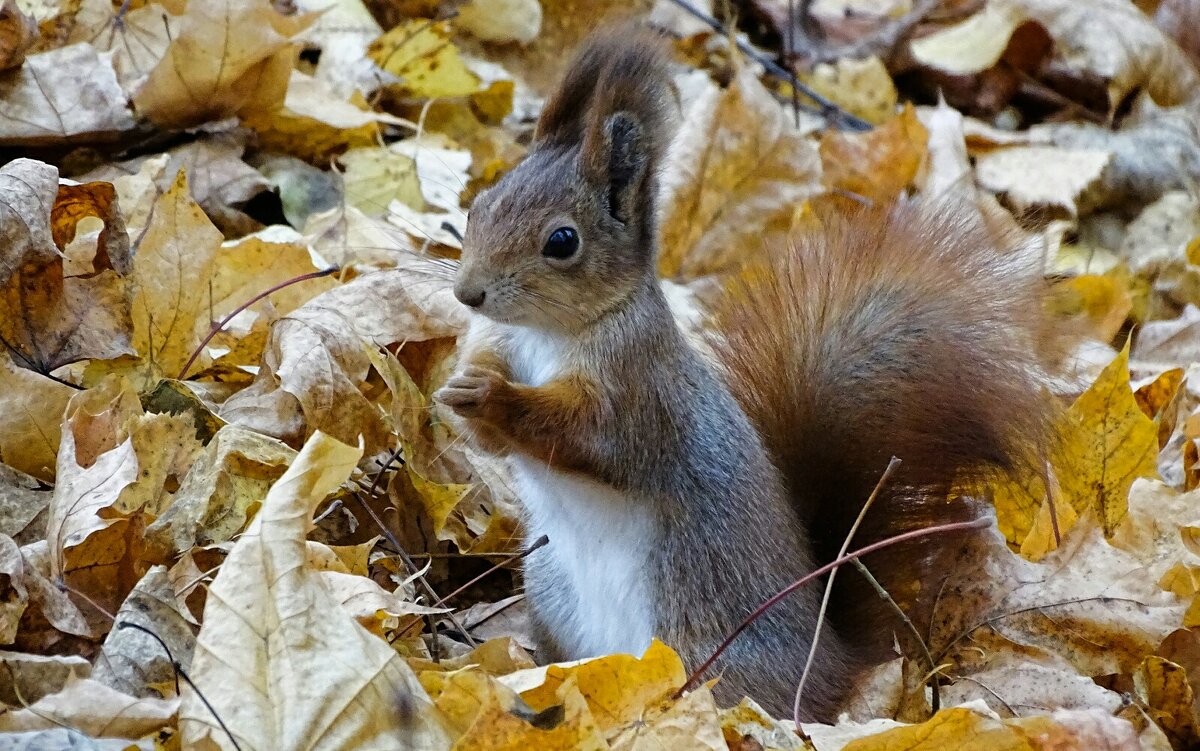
225	321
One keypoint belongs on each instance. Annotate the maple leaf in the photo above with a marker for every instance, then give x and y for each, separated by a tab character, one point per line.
55	306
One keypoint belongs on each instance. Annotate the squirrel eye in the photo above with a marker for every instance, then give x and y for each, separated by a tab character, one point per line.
562	243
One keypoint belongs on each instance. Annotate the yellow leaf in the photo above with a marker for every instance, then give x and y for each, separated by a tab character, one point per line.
1163	688
29	434
439	499
171	269
618	688
227	57
1102	301
377	176
875	165
737	163
949	728
1106	443
862	87
314	122
421	54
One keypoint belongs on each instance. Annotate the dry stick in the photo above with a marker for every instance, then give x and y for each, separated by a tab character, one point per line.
181	673
830	111
225	321
936	702
412	567
816	638
779	596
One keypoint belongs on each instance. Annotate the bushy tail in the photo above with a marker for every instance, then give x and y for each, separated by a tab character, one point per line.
908	331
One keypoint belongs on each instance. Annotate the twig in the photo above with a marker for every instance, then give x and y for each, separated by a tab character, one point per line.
181	673
816	637
936	701
415	571
225	321
827	109
779	596
538	543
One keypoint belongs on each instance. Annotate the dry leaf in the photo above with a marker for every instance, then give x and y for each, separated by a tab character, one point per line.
18	32
91	708
972	45
875	165
1036	176
35	676
276	645
67	93
55	307
421	55
501	20
317	357
861	87
1116	41
173	265
29	436
226	57
736	165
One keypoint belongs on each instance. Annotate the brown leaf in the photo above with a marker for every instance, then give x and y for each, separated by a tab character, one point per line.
875	165
29	435
51	314
316	358
18	32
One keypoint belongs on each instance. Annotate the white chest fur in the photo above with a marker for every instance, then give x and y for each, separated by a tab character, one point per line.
591	584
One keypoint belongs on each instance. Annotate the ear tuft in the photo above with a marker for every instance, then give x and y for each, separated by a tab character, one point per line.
619	161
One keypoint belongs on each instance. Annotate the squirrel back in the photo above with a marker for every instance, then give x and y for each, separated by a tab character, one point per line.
910	331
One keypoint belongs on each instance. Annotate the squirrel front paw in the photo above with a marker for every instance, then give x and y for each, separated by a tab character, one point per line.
473	393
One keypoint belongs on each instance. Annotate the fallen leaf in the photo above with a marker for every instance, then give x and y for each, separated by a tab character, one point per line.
876	165
193	82
18	32
501	20
419	52
172	267
91	708
736	165
1163	688
29	437
67	93
132	661
52	315
35	676
1038	176
275	644
317	357
861	87
1115	40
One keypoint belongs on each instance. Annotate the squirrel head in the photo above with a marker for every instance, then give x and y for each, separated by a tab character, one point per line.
569	234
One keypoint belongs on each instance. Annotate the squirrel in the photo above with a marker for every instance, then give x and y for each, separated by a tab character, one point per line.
681	489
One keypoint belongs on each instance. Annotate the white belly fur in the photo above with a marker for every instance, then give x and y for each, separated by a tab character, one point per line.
598	600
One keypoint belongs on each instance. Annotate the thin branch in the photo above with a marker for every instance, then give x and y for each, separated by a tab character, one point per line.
414	570
936	703
827	108
816	638
181	673
225	321
783	593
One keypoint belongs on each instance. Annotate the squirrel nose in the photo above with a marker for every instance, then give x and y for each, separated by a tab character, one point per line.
472	298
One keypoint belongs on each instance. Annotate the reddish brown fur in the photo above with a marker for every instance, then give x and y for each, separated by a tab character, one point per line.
909	332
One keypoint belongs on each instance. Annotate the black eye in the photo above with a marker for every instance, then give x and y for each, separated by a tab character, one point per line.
562	243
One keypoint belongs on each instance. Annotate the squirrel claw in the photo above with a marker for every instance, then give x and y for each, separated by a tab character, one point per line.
468	392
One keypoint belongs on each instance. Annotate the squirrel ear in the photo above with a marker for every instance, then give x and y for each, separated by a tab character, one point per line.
616	157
